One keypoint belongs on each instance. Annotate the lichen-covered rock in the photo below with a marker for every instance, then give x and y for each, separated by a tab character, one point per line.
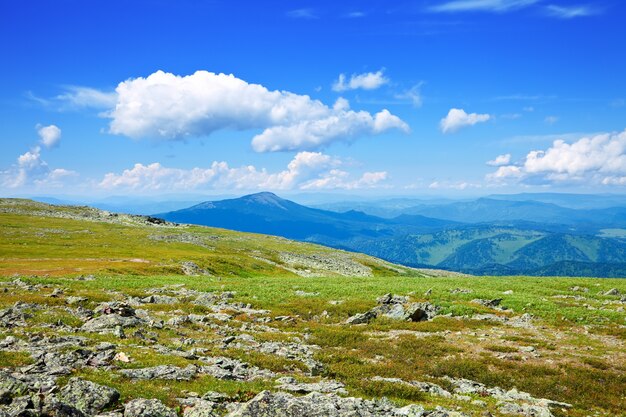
291	384
147	408
88	397
267	404
396	307
361	318
162	372
109	322
10	387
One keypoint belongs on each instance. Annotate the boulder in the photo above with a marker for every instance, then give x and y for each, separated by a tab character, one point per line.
162	372
361	318
88	397
10	387
147	408
109	322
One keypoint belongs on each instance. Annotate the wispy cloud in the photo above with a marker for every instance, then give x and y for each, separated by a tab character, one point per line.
497	6
524	97
414	95
551	120
570	12
355	15
458	118
365	81
306	13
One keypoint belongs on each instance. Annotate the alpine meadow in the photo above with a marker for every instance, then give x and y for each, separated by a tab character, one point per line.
313	209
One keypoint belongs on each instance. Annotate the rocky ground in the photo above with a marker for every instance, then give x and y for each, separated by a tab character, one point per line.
68	350
114	315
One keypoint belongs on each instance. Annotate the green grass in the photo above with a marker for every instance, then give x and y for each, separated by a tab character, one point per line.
580	350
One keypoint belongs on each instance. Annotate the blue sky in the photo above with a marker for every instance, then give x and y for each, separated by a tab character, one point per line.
413	98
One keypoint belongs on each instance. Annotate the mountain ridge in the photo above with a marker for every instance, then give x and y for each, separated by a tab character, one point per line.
515	241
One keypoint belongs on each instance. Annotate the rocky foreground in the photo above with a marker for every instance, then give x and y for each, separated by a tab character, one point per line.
63	344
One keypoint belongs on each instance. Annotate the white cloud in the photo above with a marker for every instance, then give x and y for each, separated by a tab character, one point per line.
337	179
414	95
599	159
303	14
551	120
365	81
50	135
32	170
164	105
307	170
482	5
570	12
453	185
77	96
458	118
313	134
500	160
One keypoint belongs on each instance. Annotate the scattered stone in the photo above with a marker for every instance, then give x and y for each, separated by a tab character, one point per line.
306	294
159	299
88	397
461	291
613	291
10	388
427	387
397	307
192	269
291	384
361	318
115	307
267	404
147	408
121	357
162	372
201	408
71	300
488	303
109	322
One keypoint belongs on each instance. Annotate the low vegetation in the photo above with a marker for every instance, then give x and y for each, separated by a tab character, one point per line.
563	339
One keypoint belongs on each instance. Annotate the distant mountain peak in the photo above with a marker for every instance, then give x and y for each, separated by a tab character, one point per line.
265	198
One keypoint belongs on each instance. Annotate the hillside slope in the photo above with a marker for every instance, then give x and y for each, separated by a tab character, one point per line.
515	242
37	238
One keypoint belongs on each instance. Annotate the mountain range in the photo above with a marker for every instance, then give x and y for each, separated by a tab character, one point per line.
490	236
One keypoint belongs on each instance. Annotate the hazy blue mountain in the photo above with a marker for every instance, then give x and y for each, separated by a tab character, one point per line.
268	213
494	210
573	201
523	237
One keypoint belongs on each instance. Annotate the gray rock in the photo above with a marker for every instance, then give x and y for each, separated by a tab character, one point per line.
88	397
291	384
267	404
147	408
361	318
613	291
427	387
71	300
488	303
159	299
59	409
232	369
201	408
115	307
10	387
162	372
191	268
108	323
